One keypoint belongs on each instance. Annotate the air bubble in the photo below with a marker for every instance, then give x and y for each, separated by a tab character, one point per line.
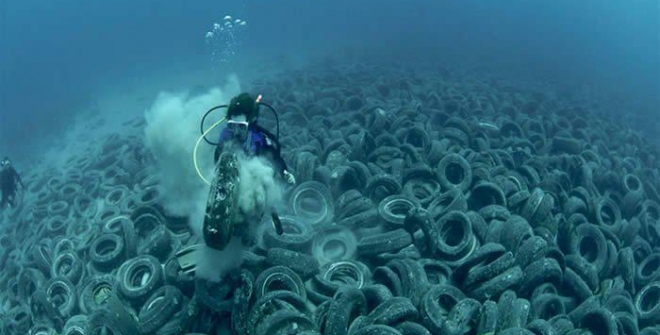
222	39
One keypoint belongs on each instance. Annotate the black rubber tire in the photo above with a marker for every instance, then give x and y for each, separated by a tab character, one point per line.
160	244
297	235
437	272
163	303
606	213
68	265
483	273
339	274
585	270
590	244
304	265
285	322
485	194
107	251
489	318
139	277
456	240
117	319
75	325
381	186
323	197
454	172
347	303
393	209
392	241
647	304
280	278
422	190
385	276
452	200
438	301
340	240
62	294
56	225
376	294
93	291
648	270
531	250
273	301
412	328
599	321
412	277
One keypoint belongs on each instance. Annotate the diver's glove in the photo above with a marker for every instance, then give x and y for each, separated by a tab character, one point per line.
289	177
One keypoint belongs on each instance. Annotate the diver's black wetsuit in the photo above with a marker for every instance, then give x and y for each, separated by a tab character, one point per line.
9	180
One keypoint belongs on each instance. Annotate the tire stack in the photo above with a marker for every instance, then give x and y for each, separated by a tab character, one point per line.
426	203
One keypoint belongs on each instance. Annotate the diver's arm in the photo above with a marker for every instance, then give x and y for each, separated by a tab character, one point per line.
278	162
272	145
276	159
280	165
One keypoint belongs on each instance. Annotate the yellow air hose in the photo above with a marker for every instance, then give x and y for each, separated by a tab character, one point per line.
199	173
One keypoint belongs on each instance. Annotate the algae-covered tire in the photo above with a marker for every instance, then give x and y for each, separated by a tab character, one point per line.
279	278
61	293
285	322
219	219
647	304
454	171
75	325
163	303
304	265
139	277
106	252
94	291
312	203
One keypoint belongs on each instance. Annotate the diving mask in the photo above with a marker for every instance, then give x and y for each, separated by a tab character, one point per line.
238	128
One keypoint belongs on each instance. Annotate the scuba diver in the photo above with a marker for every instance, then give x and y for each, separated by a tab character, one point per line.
223	219
9	181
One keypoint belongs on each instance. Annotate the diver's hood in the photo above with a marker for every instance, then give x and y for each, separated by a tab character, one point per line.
243	104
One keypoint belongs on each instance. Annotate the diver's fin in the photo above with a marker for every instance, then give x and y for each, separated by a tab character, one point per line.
188	256
277	223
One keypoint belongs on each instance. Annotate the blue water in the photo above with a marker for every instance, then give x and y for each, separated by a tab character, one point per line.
57	57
